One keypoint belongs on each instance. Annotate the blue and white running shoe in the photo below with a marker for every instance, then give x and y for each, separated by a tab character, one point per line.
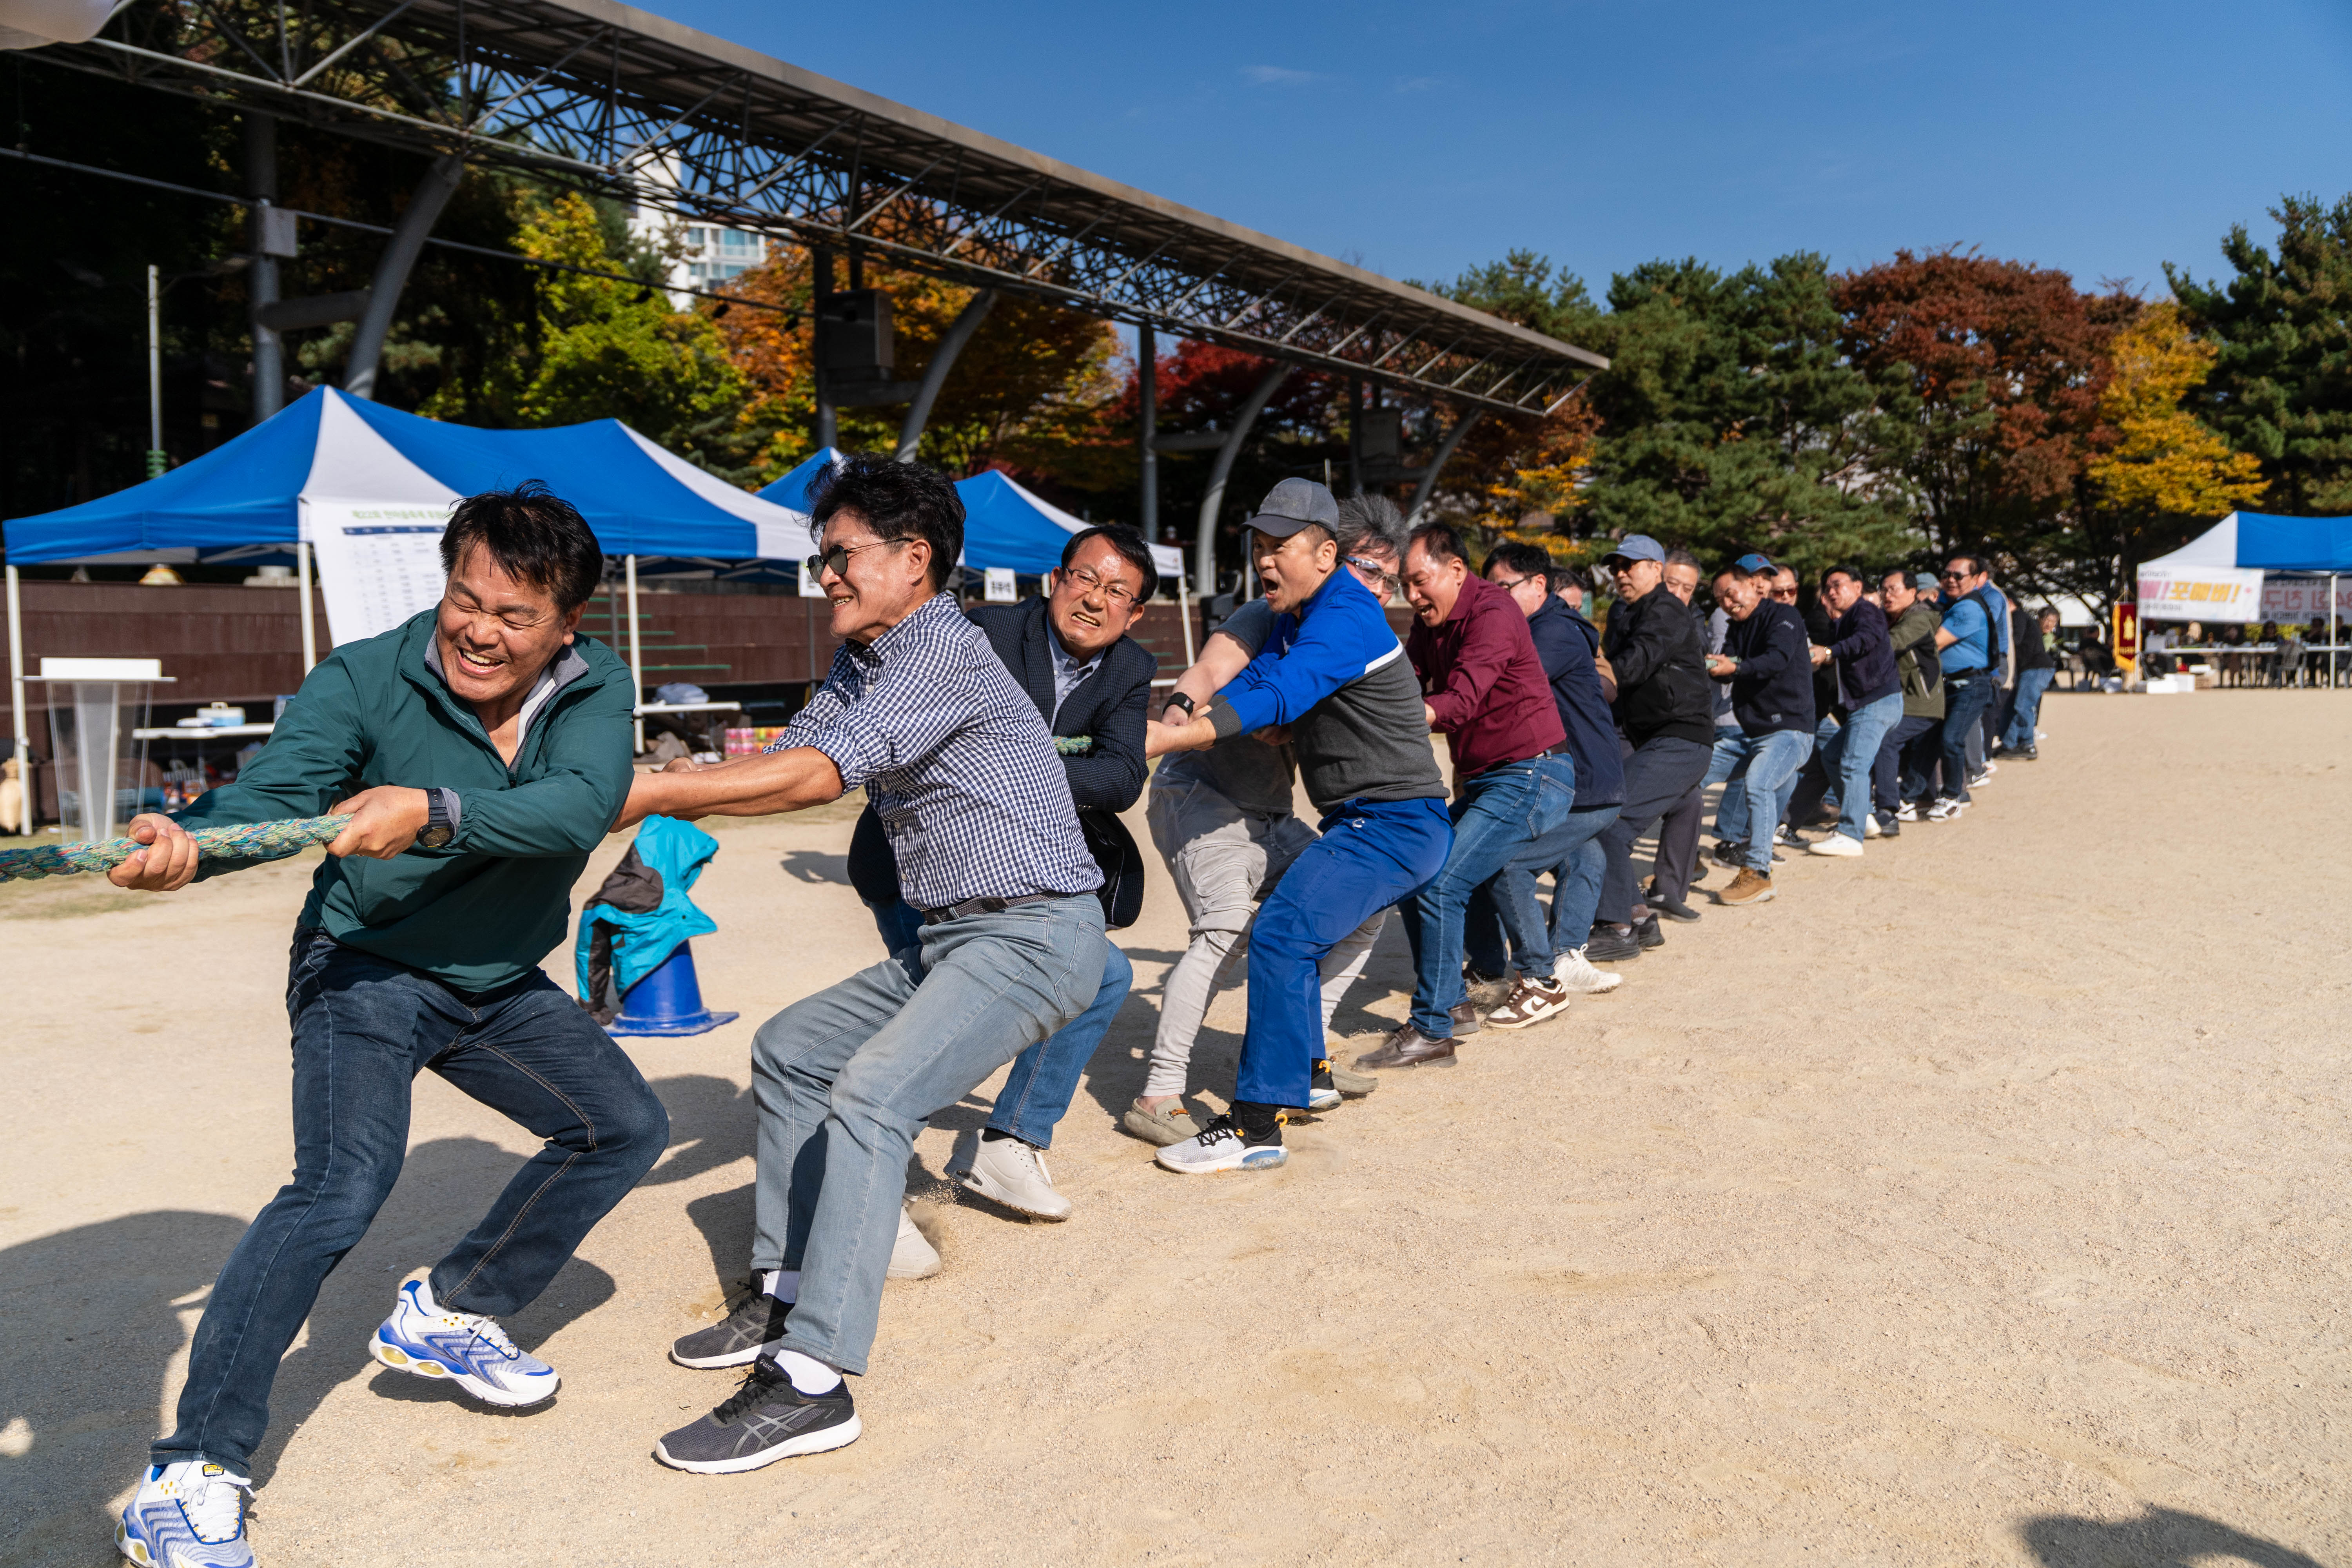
188	1515
424	1338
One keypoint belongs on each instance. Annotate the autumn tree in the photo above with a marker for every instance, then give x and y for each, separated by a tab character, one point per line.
2280	387
2005	364
2167	473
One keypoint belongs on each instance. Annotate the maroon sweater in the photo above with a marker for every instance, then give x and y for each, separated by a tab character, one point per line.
1480	675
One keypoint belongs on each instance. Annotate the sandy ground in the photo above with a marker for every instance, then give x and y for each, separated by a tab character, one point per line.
1978	1202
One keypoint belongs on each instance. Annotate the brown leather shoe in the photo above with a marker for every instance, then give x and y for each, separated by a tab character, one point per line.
1465	1016
1751	887
1406	1047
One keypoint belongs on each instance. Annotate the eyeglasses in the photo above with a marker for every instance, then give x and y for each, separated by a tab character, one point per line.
1509	582
1386	578
836	560
1952	577
1088	582
1786	595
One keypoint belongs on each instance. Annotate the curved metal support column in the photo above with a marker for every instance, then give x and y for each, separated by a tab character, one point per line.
261	271
1429	475
935	374
1204	536
392	269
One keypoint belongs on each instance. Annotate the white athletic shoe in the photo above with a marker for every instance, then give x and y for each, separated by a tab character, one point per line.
426	1340
1870	828
1014	1174
1946	808
1532	1001
1837	844
188	1515
911	1256
1222	1146
1575	971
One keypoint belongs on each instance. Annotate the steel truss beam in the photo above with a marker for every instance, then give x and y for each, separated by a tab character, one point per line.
603	98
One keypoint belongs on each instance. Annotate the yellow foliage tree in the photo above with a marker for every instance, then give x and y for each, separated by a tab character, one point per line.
2166	462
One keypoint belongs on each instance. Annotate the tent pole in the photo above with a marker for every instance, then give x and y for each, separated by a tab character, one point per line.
2333	638
1184	610
310	616
23	748
636	662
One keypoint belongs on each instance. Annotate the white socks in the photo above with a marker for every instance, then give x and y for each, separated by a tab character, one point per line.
808	1375
783	1284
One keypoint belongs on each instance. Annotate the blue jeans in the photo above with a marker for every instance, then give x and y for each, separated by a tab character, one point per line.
2027	707
1967	695
1731	811
845	1079
1505	908
1496	816
1767	766
1851	756
1045	1077
1373	853
364	1028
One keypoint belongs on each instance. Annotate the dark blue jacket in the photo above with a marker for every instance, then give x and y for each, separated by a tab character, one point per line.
1863	655
1564	642
1774	687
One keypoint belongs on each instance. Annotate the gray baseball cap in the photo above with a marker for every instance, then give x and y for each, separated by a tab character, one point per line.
1926	583
1291	506
1636	547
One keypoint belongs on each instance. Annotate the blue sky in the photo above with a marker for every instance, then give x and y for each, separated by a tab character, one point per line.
1419	140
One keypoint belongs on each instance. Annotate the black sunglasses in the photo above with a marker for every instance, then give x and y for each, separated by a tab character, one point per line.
836	560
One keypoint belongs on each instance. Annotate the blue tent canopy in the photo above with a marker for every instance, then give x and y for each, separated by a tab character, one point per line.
1004	526
2254	541
792	489
640	499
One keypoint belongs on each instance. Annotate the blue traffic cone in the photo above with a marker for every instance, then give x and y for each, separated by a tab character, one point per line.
668	1001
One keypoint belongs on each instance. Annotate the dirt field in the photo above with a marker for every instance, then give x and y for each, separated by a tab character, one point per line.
1980	1201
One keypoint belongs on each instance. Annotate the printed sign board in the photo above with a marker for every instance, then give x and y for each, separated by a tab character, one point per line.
2201	593
1002	588
378	562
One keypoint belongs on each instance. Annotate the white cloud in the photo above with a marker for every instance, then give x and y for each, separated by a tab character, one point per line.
1276	76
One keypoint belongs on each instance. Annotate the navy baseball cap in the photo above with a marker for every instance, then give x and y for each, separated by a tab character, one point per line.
1752	564
1635	547
1291	506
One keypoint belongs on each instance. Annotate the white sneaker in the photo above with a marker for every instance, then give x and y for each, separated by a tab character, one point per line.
188	1515
1222	1145
1946	808
1837	845
1908	812
1014	1174
426	1339
1869	829
911	1256
1575	971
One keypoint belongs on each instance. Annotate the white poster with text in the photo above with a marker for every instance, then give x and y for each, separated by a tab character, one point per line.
378	562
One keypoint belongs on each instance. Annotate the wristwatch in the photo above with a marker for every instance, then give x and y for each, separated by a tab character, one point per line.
438	829
1178	699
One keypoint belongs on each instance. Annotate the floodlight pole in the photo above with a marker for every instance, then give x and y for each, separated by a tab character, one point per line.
310	615
155	460
636	663
23	746
261	271
827	431
1355	436
1147	418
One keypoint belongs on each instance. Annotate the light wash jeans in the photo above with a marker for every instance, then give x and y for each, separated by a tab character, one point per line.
1045	1077
1853	752
1767	767
2025	711
845	1079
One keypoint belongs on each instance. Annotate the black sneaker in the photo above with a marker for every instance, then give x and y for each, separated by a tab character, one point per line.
753	1322
1731	854
1788	837
1608	944
1890	825
1646	931
765	1420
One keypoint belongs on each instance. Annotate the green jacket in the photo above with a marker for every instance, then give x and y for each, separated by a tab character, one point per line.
485	908
1913	634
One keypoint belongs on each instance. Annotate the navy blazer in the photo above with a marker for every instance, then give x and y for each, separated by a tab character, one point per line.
1110	705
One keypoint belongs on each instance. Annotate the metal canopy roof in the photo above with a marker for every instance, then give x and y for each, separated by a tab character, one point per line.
608	98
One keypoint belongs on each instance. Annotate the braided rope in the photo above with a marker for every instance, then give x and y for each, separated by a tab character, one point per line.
252	844
1074	745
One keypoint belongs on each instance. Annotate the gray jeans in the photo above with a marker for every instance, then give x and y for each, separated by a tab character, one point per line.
845	1079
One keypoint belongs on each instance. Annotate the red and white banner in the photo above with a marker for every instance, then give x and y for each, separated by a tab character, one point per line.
2200	594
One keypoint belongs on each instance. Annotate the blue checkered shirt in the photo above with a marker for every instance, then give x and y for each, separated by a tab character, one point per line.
959	767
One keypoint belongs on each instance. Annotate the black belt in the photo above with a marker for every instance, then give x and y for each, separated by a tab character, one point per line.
987	907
